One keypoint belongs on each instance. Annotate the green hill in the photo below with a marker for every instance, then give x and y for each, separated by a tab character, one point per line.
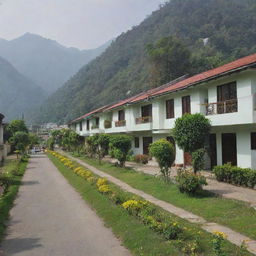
46	62
19	95
123	69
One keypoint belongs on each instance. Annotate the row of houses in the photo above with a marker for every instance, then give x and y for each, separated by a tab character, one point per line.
225	95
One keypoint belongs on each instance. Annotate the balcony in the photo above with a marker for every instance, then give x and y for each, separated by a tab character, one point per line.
120	123
223	107
94	127
107	124
143	120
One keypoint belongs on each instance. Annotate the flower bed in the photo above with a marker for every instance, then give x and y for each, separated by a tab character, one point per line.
236	175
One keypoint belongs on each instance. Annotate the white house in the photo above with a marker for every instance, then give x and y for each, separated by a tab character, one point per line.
226	95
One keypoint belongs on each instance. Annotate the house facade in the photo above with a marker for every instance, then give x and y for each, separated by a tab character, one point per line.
225	95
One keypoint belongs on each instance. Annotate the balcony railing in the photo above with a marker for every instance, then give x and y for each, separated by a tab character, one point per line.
143	120
95	127
223	107
107	124
120	123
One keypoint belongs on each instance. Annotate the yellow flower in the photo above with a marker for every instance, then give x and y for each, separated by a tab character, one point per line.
220	234
104	189
102	181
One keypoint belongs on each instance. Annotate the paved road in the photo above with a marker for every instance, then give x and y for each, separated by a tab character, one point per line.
50	219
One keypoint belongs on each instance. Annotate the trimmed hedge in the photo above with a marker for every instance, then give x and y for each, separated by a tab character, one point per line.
235	175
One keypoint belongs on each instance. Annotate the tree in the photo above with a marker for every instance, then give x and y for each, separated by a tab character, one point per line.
169	59
191	132
16	126
121	145
99	145
21	141
164	152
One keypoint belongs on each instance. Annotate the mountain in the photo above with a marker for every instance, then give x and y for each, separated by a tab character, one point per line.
45	61
19	95
214	31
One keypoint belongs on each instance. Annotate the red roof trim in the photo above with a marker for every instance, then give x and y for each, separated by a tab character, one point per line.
234	66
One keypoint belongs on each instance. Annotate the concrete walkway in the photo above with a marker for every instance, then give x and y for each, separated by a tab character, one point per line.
220	188
51	219
233	236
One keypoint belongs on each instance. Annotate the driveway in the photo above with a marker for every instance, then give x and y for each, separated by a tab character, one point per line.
51	219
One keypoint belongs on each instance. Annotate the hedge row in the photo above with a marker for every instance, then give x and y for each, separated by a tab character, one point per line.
236	175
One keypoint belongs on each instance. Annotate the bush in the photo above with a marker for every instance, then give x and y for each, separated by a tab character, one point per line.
141	159
198	159
164	152
120	145
235	175
189	182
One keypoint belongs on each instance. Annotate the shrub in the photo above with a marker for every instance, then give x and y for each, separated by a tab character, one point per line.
121	145
198	159
164	152
189	182
141	159
101	182
191	132
235	175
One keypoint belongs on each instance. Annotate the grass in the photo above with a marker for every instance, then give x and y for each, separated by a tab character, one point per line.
231	213
138	238
15	171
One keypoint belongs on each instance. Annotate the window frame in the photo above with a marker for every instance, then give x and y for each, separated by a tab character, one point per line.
169	106
137	142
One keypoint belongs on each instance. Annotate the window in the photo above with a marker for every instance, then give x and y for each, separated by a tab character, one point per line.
227	98
137	142
169	109
226	92
253	140
97	122
121	115
88	125
186	105
146	110
81	126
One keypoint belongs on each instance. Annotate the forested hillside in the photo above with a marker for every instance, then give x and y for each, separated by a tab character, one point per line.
213	31
18	94
44	61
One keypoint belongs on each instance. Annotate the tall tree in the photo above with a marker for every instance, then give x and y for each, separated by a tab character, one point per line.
169	59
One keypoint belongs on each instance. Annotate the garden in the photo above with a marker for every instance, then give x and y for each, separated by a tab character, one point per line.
143	228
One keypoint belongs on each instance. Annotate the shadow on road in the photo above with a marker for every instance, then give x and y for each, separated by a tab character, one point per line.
17	245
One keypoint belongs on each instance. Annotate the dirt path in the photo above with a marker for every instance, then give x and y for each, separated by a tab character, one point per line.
50	218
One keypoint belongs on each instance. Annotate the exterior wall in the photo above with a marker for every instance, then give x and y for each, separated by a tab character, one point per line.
246	158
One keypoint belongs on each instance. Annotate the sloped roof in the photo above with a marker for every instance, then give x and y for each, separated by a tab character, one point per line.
175	85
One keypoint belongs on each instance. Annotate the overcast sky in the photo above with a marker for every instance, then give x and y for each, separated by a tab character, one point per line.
80	23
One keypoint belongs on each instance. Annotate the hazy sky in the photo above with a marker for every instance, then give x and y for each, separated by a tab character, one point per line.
80	23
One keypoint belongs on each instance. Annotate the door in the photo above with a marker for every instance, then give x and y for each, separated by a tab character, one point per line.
146	142
229	149
213	150
187	159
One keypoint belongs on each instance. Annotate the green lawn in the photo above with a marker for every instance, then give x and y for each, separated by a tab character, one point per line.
138	238
231	213
15	172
